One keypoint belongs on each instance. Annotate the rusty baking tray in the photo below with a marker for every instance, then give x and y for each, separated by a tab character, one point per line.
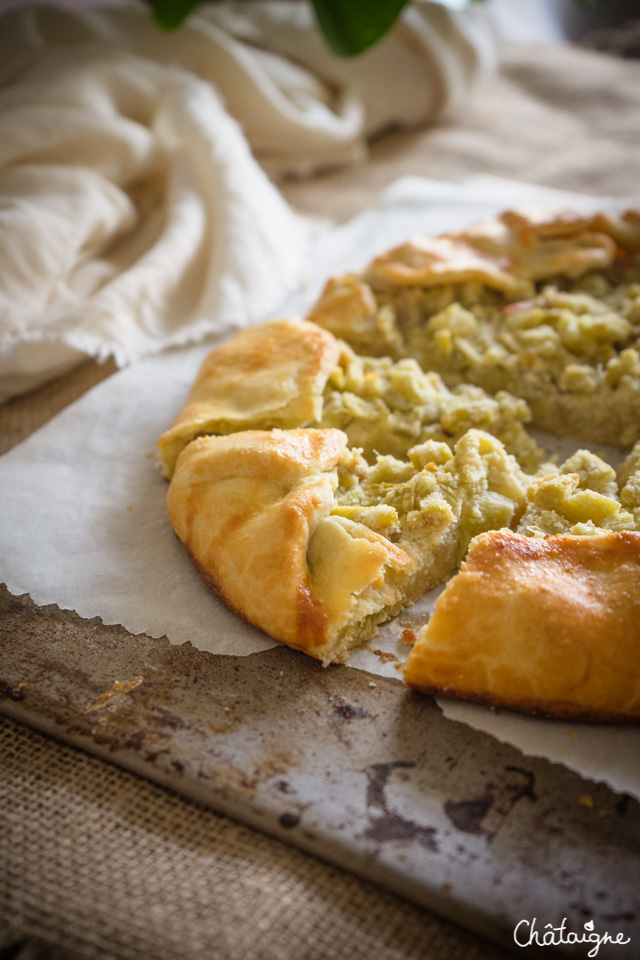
350	767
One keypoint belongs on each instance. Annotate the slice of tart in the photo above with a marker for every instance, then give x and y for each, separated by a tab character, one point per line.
544	625
307	541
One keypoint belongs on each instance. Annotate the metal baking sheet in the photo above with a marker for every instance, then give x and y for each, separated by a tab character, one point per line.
350	767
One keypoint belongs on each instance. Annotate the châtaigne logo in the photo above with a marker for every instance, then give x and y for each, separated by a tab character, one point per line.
527	934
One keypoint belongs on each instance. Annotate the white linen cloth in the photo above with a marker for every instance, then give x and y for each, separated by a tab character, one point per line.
133	215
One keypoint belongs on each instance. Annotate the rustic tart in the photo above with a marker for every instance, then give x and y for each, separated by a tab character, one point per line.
320	488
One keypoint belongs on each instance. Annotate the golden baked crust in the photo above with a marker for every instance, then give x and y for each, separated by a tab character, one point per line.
544	307
510	251
547	626
271	375
253	510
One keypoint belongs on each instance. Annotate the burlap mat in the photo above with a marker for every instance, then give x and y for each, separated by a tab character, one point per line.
95	862
111	866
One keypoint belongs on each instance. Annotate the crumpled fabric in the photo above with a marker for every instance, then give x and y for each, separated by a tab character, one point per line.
135	211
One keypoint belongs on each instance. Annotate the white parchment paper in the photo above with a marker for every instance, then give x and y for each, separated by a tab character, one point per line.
83	521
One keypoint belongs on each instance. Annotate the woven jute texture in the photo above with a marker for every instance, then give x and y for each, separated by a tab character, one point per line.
96	862
110	866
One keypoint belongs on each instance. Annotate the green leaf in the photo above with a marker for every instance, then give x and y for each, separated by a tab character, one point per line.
169	14
352	26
